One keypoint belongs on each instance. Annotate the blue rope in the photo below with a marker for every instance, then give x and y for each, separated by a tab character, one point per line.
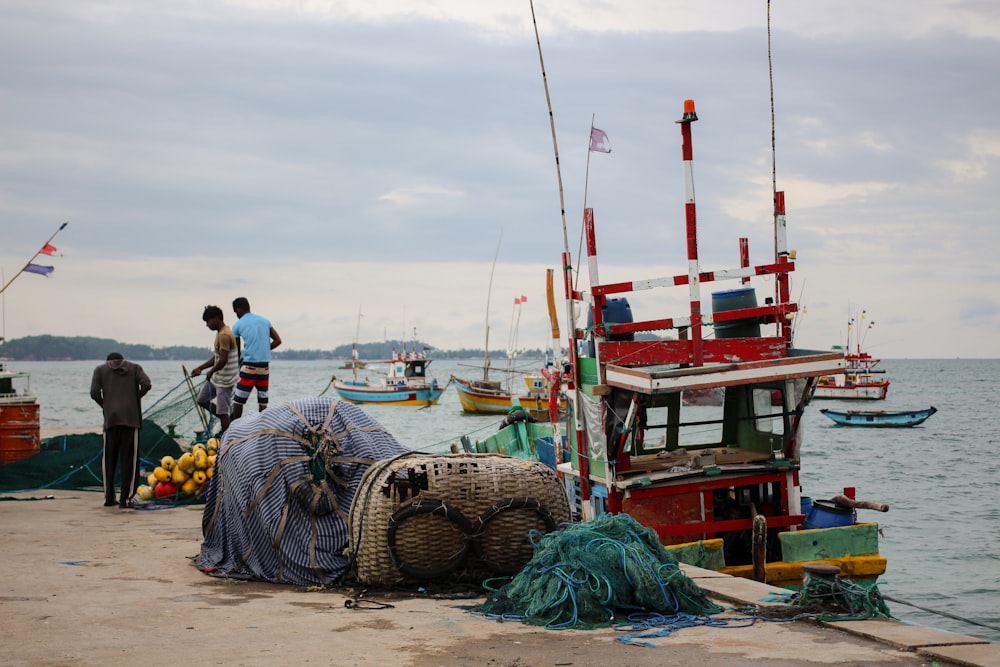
652	625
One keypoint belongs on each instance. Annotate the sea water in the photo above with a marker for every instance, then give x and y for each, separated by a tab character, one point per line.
941	535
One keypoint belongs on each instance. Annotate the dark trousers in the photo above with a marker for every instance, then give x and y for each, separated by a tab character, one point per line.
121	443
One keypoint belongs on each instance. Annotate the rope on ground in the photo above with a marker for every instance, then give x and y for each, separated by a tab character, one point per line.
652	626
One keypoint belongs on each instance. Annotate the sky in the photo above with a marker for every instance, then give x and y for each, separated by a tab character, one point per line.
330	157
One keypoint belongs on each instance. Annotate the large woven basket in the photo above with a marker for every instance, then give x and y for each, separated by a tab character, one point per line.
451	517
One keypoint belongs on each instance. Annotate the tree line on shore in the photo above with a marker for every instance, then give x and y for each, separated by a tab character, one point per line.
84	348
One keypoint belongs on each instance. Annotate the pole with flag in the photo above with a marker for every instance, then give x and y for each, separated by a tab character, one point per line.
598	144
41	269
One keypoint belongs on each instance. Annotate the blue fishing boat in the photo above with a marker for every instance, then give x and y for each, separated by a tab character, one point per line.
880	418
405	383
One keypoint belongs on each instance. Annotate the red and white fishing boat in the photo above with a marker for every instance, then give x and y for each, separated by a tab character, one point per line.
861	379
720	487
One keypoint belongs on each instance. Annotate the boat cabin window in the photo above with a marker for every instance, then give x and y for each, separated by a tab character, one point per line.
672	423
768	416
753	419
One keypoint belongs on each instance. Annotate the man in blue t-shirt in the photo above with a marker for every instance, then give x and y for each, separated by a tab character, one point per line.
258	338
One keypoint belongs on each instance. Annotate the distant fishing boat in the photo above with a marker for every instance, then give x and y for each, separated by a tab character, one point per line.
540	390
880	418
405	383
492	397
861	379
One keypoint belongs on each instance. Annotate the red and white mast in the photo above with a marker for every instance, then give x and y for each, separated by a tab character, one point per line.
694	284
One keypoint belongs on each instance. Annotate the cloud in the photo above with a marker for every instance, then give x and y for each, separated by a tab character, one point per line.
204	148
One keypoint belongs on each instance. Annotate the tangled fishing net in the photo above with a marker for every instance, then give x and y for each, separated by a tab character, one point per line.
588	575
834	599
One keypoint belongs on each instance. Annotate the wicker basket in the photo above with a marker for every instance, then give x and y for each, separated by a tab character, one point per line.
455	517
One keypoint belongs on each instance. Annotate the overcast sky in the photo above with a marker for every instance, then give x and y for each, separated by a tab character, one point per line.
321	157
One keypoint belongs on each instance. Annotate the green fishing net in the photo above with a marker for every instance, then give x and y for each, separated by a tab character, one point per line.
74	461
834	599
595	574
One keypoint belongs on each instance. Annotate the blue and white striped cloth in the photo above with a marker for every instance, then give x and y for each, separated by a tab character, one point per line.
278	503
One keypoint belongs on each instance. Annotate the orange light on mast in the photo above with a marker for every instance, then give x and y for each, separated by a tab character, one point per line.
689	113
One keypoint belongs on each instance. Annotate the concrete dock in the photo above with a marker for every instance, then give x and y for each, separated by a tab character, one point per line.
88	585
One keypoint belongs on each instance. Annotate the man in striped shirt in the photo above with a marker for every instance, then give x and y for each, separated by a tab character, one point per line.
223	368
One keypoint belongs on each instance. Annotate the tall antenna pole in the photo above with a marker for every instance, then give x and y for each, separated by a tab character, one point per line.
552	126
781	254
770	78
567	265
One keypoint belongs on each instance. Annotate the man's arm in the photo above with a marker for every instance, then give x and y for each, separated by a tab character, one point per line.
275	338
145	384
95	388
196	371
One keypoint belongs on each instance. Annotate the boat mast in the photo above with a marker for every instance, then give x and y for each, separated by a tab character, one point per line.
781	253
354	346
489	296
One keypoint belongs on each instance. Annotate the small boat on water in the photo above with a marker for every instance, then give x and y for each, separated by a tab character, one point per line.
20	426
880	418
405	383
719	485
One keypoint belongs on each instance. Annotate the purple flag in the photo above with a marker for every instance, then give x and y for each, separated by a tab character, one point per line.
40	269
599	141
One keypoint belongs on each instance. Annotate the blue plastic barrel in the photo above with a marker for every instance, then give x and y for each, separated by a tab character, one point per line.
807	505
828	514
614	311
736	299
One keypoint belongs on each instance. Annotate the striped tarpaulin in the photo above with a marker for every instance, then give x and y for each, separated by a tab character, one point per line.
277	506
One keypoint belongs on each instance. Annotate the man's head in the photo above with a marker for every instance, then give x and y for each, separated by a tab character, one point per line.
213	317
241	306
115	360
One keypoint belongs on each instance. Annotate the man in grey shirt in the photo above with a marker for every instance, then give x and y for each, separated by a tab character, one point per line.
118	387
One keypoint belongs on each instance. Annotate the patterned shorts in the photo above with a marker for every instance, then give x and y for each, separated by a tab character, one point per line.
252	376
